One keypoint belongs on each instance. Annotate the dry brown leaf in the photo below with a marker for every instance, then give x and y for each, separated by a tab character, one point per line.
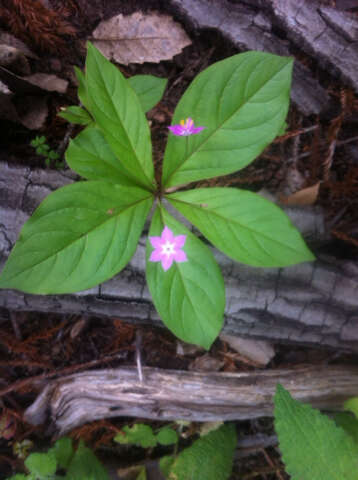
51	83
140	38
33	112
10	40
306	196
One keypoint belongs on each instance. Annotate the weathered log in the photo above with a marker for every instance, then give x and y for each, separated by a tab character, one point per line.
309	304
71	401
328	35
249	29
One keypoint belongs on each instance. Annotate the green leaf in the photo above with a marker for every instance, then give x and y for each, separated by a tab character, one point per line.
242	102
82	88
312	446
53	155
209	458
80	236
348	423
352	406
117	111
149	89
165	464
190	296
18	476
63	451
75	114
167	436
41	464
244	225
139	434
86	466
142	475
90	155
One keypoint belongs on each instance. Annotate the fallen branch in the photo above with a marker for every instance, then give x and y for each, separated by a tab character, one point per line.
171	395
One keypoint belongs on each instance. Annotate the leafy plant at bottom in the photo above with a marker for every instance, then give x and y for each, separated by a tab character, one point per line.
80	464
312	445
42	148
209	458
85	233
143	435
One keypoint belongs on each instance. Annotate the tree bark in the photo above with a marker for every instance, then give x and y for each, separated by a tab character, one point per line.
71	401
308	304
326	34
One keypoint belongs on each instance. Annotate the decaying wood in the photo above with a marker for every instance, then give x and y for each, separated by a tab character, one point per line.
329	36
309	304
171	395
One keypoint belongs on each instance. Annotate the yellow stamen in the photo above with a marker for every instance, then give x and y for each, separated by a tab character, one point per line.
182	122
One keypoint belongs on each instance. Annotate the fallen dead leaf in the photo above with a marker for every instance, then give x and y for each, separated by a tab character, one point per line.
8	39
51	83
140	38
33	112
306	196
259	351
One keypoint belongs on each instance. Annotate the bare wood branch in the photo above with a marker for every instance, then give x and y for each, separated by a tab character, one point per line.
171	395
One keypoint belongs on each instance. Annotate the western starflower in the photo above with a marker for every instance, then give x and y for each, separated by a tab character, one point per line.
168	248
185	128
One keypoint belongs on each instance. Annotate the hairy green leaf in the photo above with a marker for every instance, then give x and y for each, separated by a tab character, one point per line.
352	406
348	422
190	296
312	446
63	451
75	114
167	436
41	464
149	89
117	111
138	434
245	226
242	102
86	466
209	458
80	236
90	156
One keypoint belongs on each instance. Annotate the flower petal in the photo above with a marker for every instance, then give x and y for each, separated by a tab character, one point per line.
176	129
167	235
180	256
179	241
156	241
197	129
156	256
167	262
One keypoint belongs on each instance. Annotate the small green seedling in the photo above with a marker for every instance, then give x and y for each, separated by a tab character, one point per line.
43	149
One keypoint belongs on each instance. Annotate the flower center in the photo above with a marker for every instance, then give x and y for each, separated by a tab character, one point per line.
168	248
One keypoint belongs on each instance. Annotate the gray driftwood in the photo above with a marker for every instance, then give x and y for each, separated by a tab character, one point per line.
171	395
326	34
309	304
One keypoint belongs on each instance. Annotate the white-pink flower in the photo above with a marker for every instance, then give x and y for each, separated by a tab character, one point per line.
168	248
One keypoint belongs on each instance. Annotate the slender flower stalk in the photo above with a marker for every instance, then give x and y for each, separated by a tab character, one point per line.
168	248
185	128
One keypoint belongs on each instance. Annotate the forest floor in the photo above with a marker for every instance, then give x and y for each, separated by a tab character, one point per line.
35	347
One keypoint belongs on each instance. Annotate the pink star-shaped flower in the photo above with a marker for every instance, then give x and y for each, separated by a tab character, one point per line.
168	248
185	128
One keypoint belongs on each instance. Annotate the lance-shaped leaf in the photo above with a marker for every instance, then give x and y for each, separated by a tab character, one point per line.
75	114
80	236
82	87
117	111
149	89
242	101
245	226
189	296
91	157
312	446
